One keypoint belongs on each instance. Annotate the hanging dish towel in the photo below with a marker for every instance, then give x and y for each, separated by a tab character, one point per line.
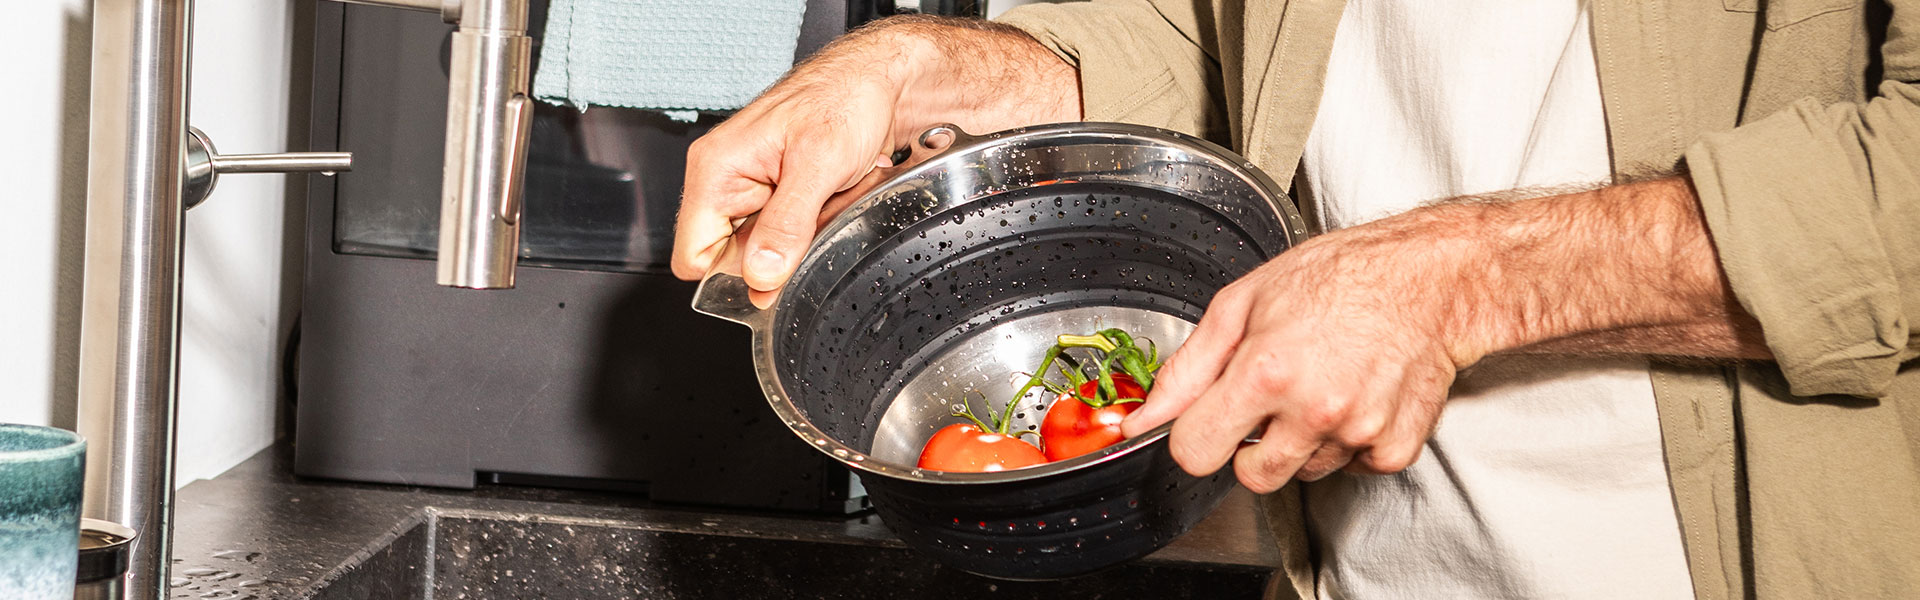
677	56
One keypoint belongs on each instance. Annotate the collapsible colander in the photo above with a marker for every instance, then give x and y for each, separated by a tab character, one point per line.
957	273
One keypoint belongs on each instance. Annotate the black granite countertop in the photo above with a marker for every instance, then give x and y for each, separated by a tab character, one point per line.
257	532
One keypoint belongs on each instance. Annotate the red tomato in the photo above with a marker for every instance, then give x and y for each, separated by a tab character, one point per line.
1073	428
965	447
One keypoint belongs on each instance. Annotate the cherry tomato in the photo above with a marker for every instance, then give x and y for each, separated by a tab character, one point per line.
1073	427
965	447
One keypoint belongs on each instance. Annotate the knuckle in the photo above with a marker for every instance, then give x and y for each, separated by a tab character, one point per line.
1361	429
714	147
1232	293
699	148
1327	414
1271	378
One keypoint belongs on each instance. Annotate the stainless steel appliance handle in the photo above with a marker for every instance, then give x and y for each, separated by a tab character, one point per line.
204	165
448	9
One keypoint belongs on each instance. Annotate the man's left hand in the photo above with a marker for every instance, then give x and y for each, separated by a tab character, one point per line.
1339	353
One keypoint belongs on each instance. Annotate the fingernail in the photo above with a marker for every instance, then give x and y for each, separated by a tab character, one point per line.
766	265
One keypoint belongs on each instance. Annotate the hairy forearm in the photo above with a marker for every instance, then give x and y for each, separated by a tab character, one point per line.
1621	269
980	75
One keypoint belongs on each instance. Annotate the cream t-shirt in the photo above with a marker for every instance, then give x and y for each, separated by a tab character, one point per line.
1545	477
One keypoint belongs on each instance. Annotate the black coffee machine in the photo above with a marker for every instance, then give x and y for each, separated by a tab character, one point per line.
593	372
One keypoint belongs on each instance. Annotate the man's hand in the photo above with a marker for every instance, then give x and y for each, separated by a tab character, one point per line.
1338	353
835	118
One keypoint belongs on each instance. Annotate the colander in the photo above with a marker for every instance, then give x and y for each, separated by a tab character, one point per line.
955	274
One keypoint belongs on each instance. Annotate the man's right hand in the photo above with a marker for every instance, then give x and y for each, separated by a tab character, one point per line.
838	116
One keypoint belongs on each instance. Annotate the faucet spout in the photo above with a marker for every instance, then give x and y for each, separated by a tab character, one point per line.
488	117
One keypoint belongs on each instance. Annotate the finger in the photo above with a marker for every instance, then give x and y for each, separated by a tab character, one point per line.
787	223
1194	366
1324	461
1211	430
883	170
1388	457
1418	404
761	299
719	188
1266	466
1400	444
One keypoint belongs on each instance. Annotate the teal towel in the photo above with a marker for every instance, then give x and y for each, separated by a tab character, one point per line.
679	56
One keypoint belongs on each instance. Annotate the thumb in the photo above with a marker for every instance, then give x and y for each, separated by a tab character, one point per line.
792	214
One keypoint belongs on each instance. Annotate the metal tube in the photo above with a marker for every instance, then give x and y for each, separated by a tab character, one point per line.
324	162
424	5
131	291
488	115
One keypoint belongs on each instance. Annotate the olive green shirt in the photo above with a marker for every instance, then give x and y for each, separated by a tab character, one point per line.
1799	124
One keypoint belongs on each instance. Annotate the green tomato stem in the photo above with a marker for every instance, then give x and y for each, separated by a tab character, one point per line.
1095	341
966	412
1133	361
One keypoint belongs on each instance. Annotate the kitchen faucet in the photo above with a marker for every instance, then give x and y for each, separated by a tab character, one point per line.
146	167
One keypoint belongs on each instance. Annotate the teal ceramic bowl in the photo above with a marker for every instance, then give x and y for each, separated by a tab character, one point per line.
41	469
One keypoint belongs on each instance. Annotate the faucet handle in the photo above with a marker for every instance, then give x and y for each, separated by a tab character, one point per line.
204	165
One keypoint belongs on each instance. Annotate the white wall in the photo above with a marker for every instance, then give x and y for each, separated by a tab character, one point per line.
44	167
237	286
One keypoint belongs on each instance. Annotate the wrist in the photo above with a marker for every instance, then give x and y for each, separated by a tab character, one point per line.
1476	277
1466	282
1535	271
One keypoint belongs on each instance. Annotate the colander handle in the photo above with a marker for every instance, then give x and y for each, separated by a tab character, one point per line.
723	293
940	138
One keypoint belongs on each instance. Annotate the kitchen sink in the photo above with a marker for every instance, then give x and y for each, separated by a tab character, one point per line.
257	533
478	556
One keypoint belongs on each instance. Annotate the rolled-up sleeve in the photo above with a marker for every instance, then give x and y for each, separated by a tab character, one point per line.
1815	212
1139	62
